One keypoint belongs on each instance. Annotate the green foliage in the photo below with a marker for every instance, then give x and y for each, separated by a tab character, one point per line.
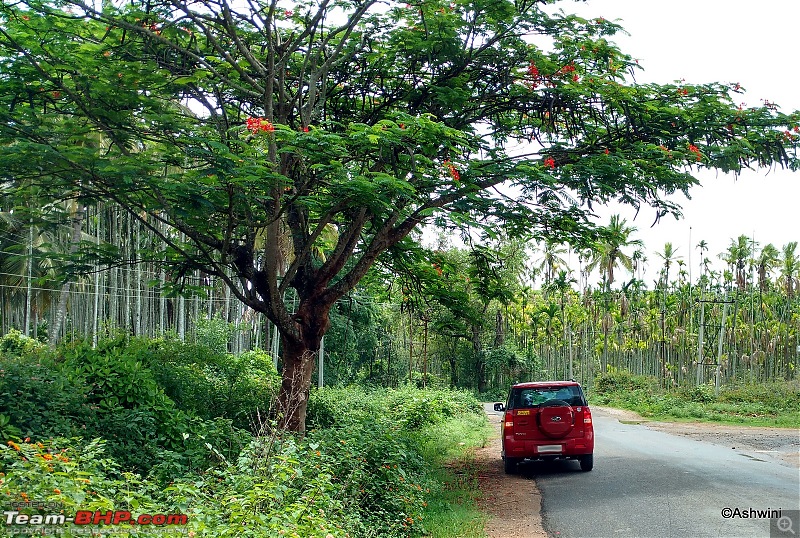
776	395
210	384
618	381
214	333
772	404
351	341
408	406
382	474
63	471
108	392
367	475
39	399
398	120
15	343
277	486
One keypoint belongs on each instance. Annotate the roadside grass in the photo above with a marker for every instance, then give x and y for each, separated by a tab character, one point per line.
765	404
449	447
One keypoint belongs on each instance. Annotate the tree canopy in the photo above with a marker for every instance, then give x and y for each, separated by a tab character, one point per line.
295	145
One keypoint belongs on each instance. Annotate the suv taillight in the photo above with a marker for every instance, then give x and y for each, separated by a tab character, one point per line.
587	416
509	422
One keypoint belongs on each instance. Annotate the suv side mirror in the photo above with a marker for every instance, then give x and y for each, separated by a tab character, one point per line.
499	407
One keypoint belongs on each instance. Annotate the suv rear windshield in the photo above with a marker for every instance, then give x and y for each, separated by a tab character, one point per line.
534	397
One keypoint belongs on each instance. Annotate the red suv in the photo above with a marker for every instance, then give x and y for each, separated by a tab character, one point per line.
547	420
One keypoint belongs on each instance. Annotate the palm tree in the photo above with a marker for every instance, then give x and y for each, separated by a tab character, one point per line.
790	267
767	260
739	252
551	260
668	256
562	284
610	252
639	261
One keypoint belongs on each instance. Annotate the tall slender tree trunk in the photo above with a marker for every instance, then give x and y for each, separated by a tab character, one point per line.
137	237
480	362
29	292
410	345
96	313
61	310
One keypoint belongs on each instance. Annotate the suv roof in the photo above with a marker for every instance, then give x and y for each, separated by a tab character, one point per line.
537	384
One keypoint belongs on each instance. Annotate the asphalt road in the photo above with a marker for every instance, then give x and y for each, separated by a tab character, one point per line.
650	484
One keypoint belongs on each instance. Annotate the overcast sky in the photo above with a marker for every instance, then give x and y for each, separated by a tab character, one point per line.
753	43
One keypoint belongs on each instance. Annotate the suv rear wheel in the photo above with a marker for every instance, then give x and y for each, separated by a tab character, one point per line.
510	465
587	462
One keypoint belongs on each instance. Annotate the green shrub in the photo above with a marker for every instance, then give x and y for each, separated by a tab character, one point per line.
16	344
408	406
106	392
622	380
367	475
700	393
381	474
772	404
40	400
778	395
213	384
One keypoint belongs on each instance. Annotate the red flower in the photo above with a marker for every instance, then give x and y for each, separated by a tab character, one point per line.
606	151
254	125
453	171
533	70
549	163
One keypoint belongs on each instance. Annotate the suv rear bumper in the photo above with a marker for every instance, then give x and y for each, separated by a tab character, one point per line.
579	446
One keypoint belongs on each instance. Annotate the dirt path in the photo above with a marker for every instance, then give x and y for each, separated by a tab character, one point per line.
513	503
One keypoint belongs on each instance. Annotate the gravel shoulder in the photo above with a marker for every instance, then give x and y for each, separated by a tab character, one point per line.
782	444
513	503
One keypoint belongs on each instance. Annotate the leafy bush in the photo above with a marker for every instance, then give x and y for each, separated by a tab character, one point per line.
700	393
17	344
214	333
363	469
622	380
212	384
411	407
39	400
779	395
106	392
381	474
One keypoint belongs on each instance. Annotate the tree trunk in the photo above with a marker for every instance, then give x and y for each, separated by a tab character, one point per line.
300	348
480	362
298	365
61	311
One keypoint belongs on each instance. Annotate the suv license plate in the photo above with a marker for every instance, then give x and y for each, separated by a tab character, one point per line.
550	448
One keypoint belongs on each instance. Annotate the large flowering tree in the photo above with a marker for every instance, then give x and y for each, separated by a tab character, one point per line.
283	145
